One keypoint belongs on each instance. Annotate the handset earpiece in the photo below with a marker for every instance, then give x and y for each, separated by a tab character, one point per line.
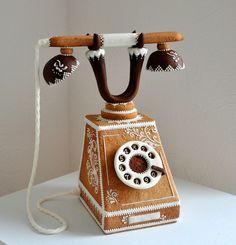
60	67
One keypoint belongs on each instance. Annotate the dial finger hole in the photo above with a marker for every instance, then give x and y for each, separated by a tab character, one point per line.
144	148
137	181
154	174
127	176
122	167
147	179
151	155
126	150
122	158
134	147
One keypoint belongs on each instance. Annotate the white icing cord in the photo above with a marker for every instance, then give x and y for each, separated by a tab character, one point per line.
95	53
138	51
35	225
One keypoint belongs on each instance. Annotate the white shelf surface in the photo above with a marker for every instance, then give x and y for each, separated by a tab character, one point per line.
208	217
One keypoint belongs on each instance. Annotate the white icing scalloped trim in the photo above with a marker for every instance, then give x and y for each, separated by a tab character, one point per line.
138	51
95	53
168	68
130	227
122	103
119	112
126	211
122	124
100	118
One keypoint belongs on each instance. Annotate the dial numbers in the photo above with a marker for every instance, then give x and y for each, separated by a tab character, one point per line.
133	165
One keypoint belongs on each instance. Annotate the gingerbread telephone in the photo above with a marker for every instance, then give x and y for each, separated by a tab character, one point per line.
124	180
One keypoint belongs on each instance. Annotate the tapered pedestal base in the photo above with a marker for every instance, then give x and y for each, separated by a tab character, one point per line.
114	205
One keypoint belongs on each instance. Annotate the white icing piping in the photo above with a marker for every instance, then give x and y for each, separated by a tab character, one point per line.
100	118
119	112
123	103
90	197
142	209
121	125
168	68
33	222
81	155
91	213
100	173
67	74
95	53
119	39
125	211
138	51
132	227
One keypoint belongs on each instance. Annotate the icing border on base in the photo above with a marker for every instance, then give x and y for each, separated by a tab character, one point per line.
125	211
129	227
133	227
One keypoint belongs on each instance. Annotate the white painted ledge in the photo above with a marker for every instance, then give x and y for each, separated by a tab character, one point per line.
208	217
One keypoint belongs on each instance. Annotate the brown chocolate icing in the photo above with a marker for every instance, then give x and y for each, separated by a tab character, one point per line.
164	58
162	170
59	68
99	68
138	164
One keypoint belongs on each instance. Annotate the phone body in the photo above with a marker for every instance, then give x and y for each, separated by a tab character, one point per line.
118	196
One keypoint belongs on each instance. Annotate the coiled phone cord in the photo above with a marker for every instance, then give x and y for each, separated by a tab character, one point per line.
35	225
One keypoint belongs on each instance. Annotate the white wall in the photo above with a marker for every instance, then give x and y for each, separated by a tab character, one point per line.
22	23
196	108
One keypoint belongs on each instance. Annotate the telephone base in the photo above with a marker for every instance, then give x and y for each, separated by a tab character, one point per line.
114	205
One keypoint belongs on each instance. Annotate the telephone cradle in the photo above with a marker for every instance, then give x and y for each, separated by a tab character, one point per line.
120	186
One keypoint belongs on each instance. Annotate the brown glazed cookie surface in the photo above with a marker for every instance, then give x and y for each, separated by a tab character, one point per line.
59	68
119	111
118	117
120	206
120	106
165	60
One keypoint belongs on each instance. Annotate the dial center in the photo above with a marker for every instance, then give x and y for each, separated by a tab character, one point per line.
138	164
